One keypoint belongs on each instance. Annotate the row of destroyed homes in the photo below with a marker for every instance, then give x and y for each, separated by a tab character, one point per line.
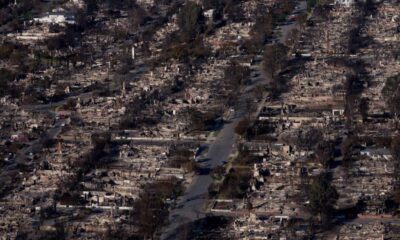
321	157
100	132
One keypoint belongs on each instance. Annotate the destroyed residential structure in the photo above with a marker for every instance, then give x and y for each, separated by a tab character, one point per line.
125	120
318	99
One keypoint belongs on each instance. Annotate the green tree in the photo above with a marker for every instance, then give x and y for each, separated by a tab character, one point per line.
391	84
242	126
213	4
323	197
311	4
91	7
190	21
292	38
236	74
218	173
233	10
394	103
262	29
6	50
274	58
347	146
114	4
307	139
395	150
325	153
150	210
363	108
236	183
137	16
6	77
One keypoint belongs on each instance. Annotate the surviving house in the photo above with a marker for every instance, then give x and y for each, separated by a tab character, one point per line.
346	3
57	16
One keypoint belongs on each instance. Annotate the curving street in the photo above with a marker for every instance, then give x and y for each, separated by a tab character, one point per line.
190	206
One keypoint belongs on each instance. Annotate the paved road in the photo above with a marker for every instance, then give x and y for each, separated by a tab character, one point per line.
36	145
191	206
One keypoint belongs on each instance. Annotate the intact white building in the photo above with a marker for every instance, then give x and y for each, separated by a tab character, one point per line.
346	3
57	16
